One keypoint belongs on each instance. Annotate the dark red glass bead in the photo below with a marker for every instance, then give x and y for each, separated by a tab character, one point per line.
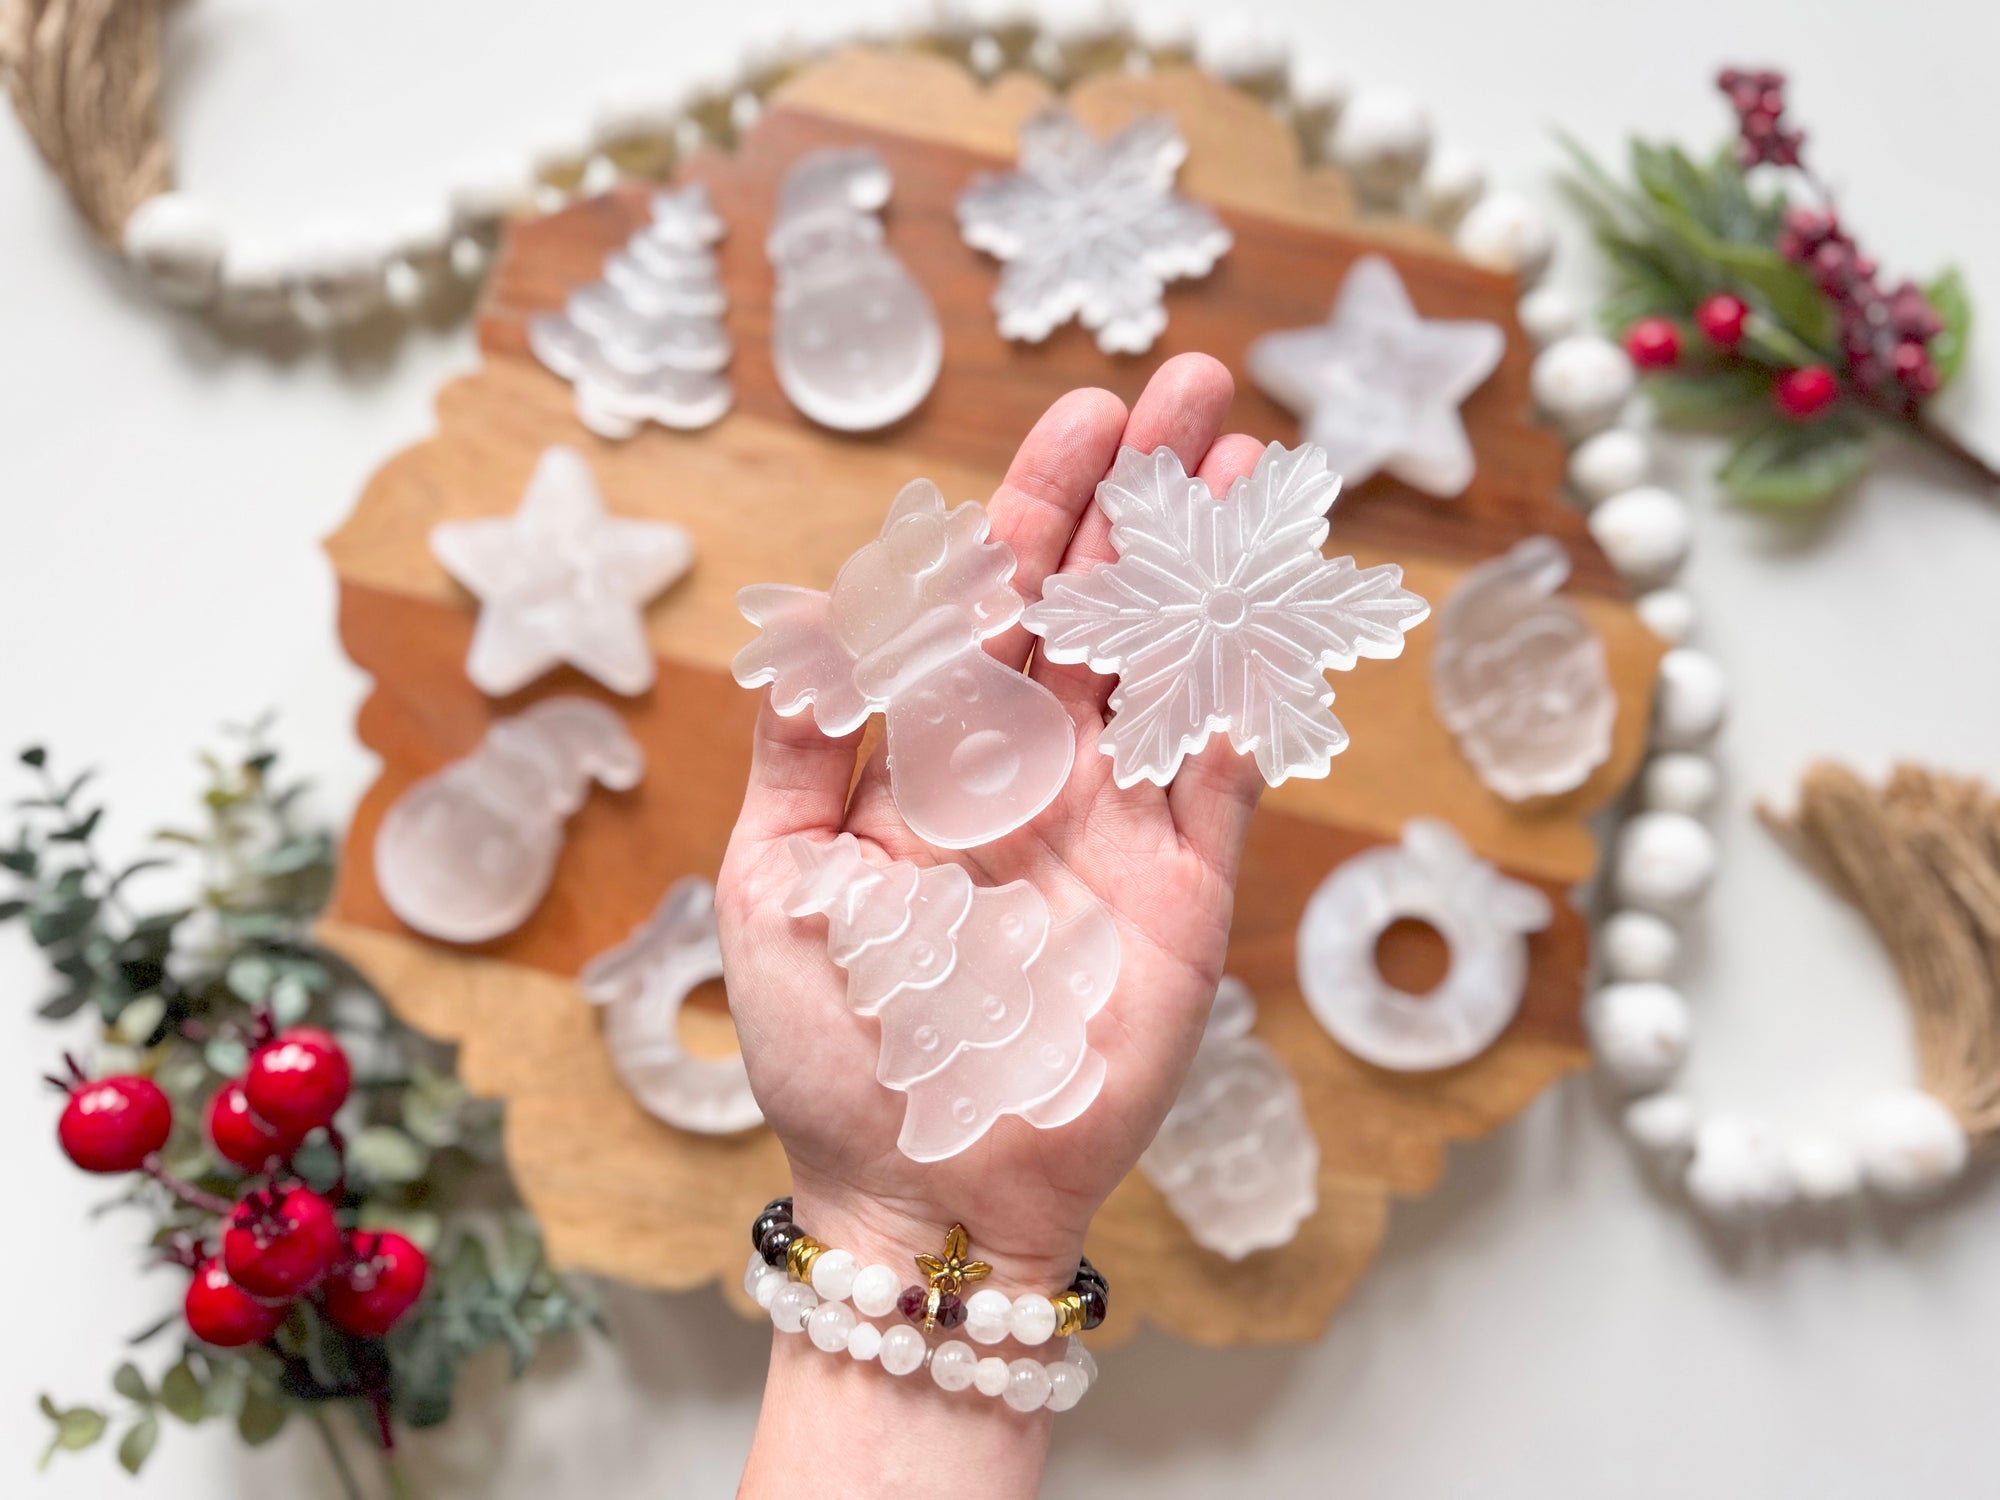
951	1311
1094	1306
766	1222
776	1243
913	1303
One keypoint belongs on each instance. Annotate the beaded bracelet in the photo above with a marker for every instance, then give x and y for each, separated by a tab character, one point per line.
987	1315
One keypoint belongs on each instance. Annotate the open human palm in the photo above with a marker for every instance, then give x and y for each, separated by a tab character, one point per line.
1162	862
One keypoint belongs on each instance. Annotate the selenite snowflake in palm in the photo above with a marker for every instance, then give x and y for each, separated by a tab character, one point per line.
1090	229
1222	614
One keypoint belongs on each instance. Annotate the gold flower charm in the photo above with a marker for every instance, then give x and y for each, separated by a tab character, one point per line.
938	1301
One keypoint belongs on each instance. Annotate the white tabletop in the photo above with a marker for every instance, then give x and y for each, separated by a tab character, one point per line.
1545	1323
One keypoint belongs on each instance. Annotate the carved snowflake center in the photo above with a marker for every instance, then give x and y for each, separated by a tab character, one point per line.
1226	608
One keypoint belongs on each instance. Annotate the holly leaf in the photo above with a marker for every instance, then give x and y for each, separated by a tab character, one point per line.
1951	301
137	1444
1795	465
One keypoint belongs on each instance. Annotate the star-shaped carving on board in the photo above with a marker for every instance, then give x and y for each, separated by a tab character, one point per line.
561	581
1379	387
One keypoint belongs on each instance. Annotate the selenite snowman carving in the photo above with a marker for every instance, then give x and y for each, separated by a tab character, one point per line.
983	998
975	747
467	854
855	342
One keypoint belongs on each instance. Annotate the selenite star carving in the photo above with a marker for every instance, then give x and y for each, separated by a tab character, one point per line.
559	581
1379	387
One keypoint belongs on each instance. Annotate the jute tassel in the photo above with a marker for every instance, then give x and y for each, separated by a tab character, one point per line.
1920	858
85	78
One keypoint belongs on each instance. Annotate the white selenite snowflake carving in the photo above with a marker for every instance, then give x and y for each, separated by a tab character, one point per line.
1091	229
1379	387
1222	615
560	581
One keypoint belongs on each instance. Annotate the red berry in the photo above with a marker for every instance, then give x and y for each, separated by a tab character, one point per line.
281	1243
1806	392
1653	343
238	1135
1721	319
371	1292
114	1124
298	1080
221	1313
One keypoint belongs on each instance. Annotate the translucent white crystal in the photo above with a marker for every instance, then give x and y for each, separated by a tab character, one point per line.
982	997
975	747
642	984
1091	229
559	581
647	342
1483	917
466	854
1518	675
1222	615
1236	1156
855	342
1379	387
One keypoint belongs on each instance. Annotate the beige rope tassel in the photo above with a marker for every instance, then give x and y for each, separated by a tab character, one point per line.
1920	857
85	78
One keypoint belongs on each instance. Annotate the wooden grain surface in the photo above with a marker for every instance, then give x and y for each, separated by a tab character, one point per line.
768	496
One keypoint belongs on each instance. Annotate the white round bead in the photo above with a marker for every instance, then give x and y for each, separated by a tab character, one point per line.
1639	1031
340	270
257	282
487	190
1823	1168
988	1316
1504	232
1082	1358
952	1365
633	110
1236	47
1681	782
1318	86
1693	695
1027	1385
1910	1145
754	1272
989	1376
1644	531
1668	613
1549	313
865	1342
902	1351
1662	1124
1581	383
1637	945
1665	860
831	1325
833	1274
1032	1320
1382	140
557	148
1608	463
1067	1385
1739	1172
792	1305
1451	183
875	1291
177	245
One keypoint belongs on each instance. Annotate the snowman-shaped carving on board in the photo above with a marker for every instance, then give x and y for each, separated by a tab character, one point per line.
854	340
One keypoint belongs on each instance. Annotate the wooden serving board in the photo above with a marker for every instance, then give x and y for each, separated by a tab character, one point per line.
767	496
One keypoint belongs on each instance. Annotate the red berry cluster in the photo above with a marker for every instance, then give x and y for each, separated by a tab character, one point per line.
1758	97
1884	334
280	1240
1654	343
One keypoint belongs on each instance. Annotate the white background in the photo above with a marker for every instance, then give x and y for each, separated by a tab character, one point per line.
1546	1322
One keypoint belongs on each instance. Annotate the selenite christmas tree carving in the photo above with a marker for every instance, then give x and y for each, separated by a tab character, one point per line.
975	748
982	997
1222	615
1091	229
646	343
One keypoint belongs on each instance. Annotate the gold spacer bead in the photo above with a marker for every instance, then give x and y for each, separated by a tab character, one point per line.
1069	1312
799	1257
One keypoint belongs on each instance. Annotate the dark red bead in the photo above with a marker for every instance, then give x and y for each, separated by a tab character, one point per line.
1806	392
1721	319
766	1222
1095	1305
1653	343
914	1302
951	1311
776	1243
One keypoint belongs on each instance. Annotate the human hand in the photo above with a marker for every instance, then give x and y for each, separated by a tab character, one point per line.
1161	861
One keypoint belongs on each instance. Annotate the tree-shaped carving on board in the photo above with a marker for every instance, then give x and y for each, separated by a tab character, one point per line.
768	496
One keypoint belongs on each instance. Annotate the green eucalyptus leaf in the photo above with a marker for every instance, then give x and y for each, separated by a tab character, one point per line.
419	1226
79	1427
129	1383
1708	396
58	920
226	1055
20	859
160	922
228	1385
250	976
387	1154
181	1393
11	909
262	1416
137	867
80	831
64	1003
290	999
140	1019
36	756
296	854
1786	465
137	1444
318	1163
1948	296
